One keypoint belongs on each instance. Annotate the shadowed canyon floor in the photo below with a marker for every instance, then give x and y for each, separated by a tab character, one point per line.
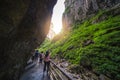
35	73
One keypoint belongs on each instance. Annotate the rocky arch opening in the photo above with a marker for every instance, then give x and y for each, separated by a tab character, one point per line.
56	21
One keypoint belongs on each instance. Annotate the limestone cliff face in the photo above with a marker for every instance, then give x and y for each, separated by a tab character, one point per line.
24	24
78	10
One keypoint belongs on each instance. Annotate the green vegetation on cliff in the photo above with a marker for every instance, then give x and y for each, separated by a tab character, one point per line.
94	44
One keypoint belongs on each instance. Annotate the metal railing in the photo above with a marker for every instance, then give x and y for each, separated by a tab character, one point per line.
56	73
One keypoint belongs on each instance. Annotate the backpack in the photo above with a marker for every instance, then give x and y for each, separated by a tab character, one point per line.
36	54
47	59
40	56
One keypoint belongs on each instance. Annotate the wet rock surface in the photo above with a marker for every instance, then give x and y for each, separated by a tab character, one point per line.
24	25
35	73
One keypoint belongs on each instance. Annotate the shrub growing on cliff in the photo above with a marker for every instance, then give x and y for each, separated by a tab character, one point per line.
93	45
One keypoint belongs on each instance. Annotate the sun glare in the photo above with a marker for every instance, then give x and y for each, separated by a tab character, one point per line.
57	27
57	16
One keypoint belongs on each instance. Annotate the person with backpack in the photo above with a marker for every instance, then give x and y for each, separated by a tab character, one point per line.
46	61
36	55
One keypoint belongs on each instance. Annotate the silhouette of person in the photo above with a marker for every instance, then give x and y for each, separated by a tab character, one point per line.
41	56
36	55
46	61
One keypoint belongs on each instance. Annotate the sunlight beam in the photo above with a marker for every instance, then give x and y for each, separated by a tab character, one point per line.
57	16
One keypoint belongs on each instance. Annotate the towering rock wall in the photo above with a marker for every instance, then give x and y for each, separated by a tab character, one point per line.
23	26
79	10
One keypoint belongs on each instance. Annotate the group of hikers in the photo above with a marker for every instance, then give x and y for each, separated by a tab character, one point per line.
41	57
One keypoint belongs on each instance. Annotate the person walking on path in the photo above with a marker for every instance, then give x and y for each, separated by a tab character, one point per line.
36	55
46	61
41	56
